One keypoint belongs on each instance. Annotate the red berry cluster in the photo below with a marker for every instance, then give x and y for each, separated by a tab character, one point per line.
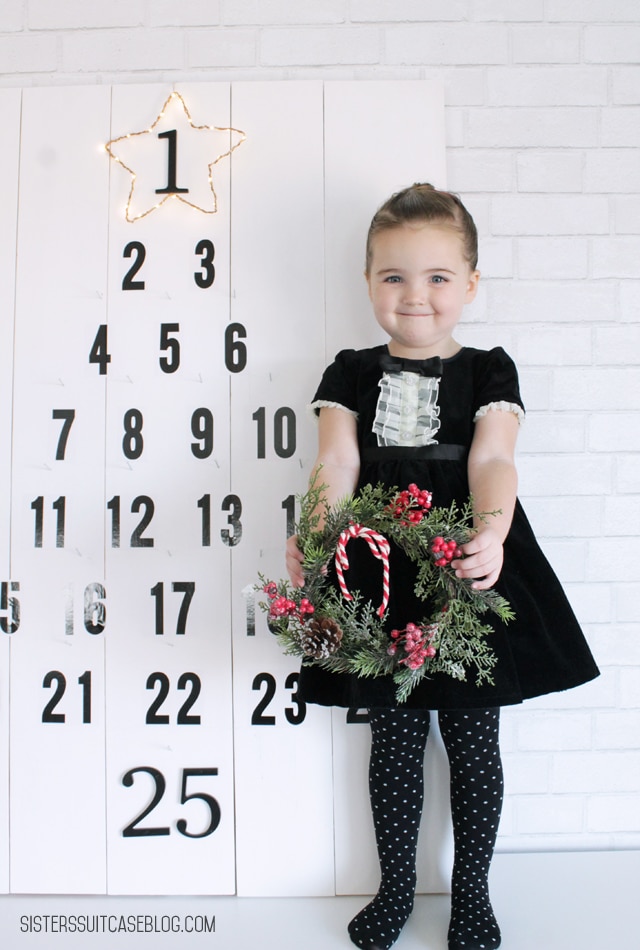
416	642
411	505
282	606
444	551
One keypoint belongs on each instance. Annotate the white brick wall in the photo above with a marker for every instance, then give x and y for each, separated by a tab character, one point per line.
543	124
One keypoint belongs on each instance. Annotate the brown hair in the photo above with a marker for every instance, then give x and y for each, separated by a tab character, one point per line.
423	202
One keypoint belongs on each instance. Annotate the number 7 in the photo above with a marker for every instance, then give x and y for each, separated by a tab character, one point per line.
67	415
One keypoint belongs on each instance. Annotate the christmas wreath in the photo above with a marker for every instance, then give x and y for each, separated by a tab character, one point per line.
338	630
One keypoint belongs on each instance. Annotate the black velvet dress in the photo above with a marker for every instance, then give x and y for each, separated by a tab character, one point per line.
543	650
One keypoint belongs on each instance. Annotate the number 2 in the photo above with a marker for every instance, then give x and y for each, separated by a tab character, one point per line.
137	541
133	830
294	716
55	676
184	718
137	248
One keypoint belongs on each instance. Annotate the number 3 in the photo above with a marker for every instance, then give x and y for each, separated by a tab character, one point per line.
208	251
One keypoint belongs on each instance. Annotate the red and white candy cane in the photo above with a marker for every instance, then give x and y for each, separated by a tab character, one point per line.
379	547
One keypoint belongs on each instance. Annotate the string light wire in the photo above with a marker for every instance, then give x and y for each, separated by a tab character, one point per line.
209	128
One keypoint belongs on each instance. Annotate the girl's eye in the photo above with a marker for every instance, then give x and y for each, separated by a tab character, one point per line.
438	279
393	279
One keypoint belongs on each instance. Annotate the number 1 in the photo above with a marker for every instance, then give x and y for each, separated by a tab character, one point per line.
171	187
59	506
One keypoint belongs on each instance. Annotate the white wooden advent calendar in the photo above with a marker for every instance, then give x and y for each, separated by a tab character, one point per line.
155	364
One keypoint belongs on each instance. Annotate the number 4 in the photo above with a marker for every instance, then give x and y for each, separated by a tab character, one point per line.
99	353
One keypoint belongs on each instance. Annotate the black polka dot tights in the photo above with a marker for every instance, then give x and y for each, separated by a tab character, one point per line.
396	788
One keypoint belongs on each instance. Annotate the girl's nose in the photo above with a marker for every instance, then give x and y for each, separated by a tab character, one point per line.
414	293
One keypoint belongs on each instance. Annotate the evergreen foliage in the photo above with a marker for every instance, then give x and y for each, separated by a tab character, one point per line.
452	639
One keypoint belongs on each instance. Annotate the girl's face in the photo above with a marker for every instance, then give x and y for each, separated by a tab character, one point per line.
419	282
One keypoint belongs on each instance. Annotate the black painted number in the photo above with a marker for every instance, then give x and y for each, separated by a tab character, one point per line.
207	275
59	506
171	188
249	597
233	505
204	504
133	830
132	442
55	676
138	251
67	416
289	506
9	607
99	352
235	350
284	432
169	344
209	800
268	681
184	717
205	249
202	430
140	503
94	610
187	589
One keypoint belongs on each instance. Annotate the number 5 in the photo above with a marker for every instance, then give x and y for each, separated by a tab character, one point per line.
10	605
169	364
212	803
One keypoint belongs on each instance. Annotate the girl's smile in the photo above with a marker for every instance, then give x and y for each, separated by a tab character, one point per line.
419	282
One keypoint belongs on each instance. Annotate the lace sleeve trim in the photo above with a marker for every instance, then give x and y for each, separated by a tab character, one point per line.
327	404
501	406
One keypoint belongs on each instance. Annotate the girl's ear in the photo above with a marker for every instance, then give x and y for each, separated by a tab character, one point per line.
472	286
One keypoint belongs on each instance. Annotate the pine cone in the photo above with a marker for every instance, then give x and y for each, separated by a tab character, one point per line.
321	638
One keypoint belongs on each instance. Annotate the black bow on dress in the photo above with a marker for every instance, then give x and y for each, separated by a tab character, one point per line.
397	364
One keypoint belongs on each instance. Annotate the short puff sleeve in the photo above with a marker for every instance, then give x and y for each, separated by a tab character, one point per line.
496	385
338	386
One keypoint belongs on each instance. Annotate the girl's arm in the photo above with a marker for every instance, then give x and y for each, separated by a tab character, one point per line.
493	483
339	456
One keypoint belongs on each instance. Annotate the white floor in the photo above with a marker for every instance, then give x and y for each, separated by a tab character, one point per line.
580	901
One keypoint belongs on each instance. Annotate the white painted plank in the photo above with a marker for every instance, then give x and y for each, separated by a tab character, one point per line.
10	101
379	137
277	298
60	297
175	465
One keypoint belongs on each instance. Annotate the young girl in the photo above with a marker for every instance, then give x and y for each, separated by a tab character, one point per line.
425	409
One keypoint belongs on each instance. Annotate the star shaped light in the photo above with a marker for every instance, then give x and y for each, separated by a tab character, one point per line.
174	160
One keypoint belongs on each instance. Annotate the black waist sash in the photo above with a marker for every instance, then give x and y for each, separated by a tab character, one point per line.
452	453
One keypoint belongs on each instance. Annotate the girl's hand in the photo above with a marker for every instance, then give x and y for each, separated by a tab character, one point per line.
483	557
294	560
